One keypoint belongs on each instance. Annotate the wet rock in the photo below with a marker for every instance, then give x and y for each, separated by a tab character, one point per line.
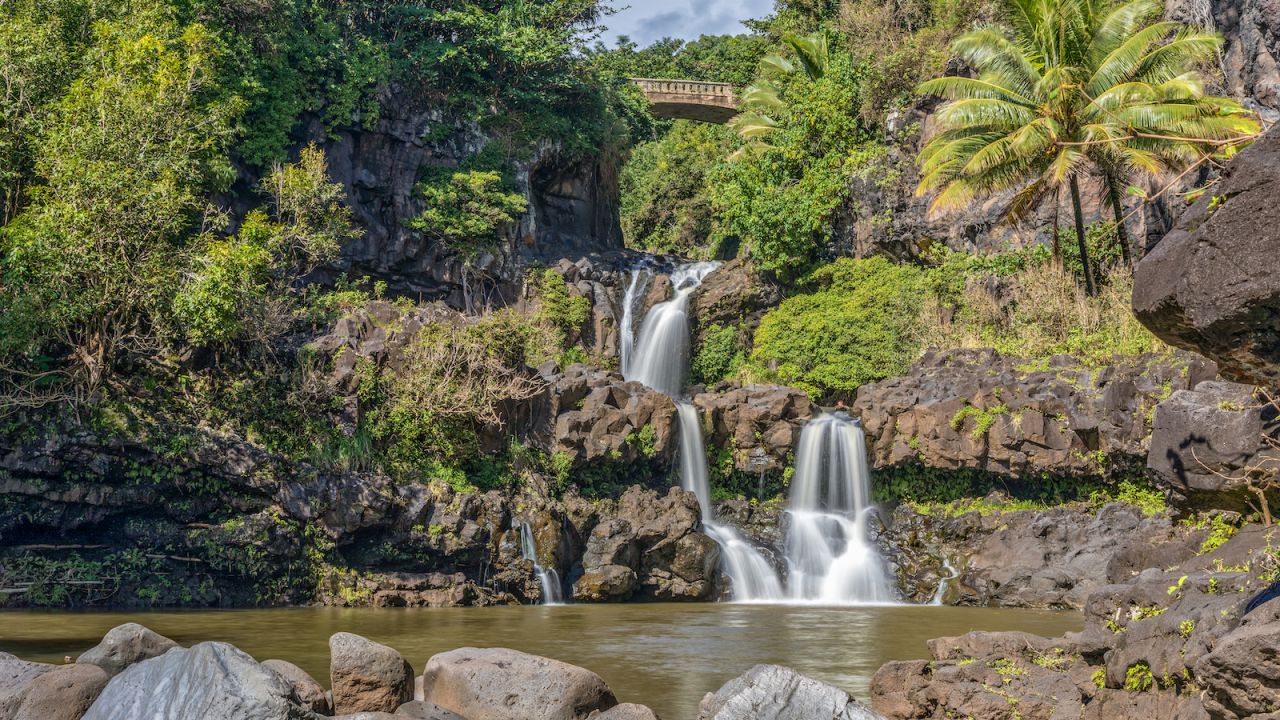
1202	441
1057	420
1211	284
1030	558
625	711
367	676
735	293
125	645
420	710
774	692
761	423
208	681
16	677
309	692
501	684
649	546
65	693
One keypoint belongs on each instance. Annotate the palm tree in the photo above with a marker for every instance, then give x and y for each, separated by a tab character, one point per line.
1073	90
761	101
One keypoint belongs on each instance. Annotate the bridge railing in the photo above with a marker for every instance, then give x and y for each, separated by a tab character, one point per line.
684	87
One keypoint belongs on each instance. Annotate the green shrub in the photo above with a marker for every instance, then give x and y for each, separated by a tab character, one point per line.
719	356
858	328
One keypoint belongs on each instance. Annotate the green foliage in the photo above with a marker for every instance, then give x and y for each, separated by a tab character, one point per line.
228	283
467	210
983	418
1099	678
1144	497
859	327
1138	678
665	185
566	312
1220	531
720	355
713	58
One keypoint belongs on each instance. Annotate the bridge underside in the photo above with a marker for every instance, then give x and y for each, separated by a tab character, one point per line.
682	107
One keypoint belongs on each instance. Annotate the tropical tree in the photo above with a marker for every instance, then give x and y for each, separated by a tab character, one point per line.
1072	89
762	101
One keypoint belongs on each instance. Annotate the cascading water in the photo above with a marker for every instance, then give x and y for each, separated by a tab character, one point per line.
640	276
661	361
829	554
549	578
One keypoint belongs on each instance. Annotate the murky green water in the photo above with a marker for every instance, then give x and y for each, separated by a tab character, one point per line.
666	656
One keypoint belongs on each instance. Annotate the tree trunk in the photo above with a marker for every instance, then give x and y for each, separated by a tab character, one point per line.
1057	240
1122	233
1084	247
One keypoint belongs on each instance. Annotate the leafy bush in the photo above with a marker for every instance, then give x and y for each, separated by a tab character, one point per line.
720	355
860	327
467	210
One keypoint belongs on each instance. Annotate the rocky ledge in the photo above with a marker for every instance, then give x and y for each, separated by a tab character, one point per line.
135	673
1174	630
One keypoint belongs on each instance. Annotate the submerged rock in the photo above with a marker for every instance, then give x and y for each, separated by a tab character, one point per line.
1212	284
65	693
774	692
501	684
625	711
125	645
367	676
208	681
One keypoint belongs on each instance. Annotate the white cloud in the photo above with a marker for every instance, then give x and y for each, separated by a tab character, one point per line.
645	21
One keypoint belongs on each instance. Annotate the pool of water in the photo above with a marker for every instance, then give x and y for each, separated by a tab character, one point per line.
665	656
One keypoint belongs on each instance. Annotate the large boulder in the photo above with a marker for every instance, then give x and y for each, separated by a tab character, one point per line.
421	710
208	681
501	684
125	645
1206	442
625	711
65	693
1212	284
758	424
16	678
310	693
366	676
774	692
735	293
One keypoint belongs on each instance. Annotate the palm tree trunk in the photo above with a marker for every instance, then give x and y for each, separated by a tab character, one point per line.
1122	233
1057	240
1084	248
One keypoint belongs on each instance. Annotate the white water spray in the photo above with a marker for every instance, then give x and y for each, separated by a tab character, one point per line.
549	578
829	554
640	277
661	361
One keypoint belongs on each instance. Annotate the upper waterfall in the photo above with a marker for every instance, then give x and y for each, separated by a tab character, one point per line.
660	355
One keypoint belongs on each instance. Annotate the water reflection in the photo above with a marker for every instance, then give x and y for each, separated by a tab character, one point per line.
666	656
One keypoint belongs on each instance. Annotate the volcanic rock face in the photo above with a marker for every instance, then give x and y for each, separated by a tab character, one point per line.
1031	558
759	424
1250	55
651	549
1213	284
572	204
1205	442
1170	640
977	409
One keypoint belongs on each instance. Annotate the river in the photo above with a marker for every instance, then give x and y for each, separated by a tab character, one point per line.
665	656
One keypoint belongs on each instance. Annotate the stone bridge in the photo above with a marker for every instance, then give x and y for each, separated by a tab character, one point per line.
711	102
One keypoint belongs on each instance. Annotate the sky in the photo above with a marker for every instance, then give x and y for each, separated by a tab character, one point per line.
647	20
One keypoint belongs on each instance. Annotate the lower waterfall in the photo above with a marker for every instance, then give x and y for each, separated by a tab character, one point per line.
550	579
830	556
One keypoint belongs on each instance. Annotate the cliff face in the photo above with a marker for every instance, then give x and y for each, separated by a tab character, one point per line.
1251	47
572	202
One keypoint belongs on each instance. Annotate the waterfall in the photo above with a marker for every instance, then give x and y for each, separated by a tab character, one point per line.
661	361
549	578
829	554
640	275
660	357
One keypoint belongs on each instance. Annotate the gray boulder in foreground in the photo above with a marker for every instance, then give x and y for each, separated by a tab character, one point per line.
208	681
502	684
16	678
774	692
125	645
367	676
